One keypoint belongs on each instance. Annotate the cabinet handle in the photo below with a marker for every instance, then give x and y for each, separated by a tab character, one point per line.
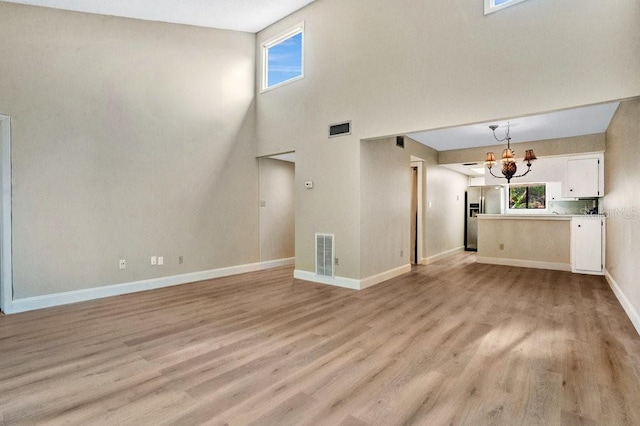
579	226
571	190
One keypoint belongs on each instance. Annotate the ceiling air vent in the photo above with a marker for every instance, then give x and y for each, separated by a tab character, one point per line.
340	129
324	254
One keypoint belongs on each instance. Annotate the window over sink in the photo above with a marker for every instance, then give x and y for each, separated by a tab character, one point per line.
531	196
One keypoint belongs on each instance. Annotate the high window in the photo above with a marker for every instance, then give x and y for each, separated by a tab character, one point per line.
530	196
491	6
283	58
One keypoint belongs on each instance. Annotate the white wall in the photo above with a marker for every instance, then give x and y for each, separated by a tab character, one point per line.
622	205
130	139
525	241
277	209
393	69
445	210
332	206
385	199
385	205
134	138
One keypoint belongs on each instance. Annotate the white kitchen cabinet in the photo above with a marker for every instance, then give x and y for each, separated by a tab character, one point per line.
587	244
583	178
554	192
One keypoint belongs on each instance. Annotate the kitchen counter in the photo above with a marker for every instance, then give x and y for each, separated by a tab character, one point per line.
536	216
526	216
545	241
534	241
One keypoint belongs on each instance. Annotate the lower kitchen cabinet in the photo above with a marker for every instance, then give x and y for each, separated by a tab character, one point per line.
587	244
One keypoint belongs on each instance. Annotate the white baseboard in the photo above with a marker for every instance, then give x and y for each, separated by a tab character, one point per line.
351	283
443	255
335	281
384	276
524	263
57	299
624	301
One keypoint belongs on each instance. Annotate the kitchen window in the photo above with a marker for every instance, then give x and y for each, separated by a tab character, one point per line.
528	197
491	6
283	59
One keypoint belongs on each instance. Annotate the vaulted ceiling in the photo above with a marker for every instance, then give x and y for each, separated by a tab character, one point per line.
239	15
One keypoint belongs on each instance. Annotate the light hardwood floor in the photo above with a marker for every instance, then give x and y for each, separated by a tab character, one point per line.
451	343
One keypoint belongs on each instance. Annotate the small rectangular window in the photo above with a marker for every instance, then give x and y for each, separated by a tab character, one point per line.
283	59
491	6
529	197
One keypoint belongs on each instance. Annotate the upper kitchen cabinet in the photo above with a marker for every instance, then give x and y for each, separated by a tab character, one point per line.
578	176
585	178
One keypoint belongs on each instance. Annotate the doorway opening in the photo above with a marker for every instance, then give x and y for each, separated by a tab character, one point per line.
416	216
277	207
6	275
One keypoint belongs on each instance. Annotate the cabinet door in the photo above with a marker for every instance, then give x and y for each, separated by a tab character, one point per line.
583	178
587	244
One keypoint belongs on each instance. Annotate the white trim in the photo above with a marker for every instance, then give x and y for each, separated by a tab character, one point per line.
264	50
351	283
57	299
490	7
384	276
508	210
624	301
429	260
335	281
524	263
6	269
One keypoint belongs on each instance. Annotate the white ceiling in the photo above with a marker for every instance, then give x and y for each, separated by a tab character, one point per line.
240	15
560	124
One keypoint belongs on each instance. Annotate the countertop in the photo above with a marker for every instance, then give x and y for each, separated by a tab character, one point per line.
537	216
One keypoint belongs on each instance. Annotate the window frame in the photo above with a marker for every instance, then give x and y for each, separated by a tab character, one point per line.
527	210
490	5
273	41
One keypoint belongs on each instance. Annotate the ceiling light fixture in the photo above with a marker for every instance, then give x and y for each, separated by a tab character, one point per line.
508	160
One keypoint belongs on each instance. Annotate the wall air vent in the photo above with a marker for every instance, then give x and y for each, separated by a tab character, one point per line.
339	129
324	255
400	141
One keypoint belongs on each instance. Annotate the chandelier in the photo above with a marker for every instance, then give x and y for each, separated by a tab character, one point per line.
509	167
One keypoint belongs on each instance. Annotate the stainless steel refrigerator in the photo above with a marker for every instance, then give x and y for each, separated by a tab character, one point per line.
480	200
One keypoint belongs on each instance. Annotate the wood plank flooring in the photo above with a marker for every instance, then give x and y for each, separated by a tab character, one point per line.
454	342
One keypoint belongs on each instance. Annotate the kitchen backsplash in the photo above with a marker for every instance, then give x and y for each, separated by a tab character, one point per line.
574	207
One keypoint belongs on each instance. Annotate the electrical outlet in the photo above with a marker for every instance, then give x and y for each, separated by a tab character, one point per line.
401	253
154	261
337	261
160	260
501	246
123	264
180	260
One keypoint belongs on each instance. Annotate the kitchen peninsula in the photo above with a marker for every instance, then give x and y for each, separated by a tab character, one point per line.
557	242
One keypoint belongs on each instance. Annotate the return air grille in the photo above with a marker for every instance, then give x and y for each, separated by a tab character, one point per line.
340	129
324	254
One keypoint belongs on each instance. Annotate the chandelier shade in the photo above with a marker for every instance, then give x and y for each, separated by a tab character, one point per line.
508	160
